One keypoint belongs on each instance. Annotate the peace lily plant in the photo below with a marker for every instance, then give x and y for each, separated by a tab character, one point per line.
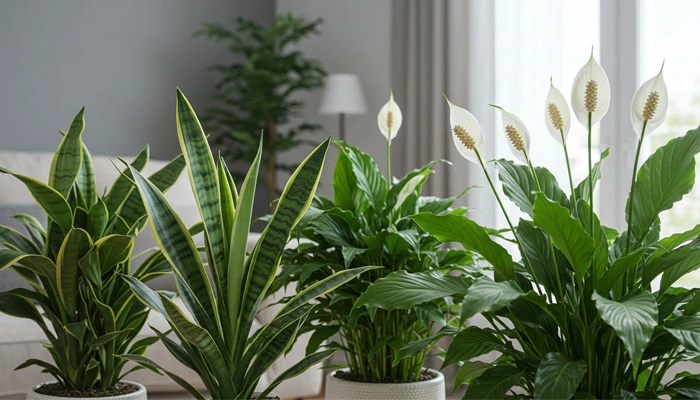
214	332
73	264
369	222
587	312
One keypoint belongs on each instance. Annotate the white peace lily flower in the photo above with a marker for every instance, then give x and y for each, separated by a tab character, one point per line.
389	118
556	114
517	134
650	104
591	93
466	133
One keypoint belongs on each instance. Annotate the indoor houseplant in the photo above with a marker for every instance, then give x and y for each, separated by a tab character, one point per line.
257	96
72	264
368	222
216	342
579	316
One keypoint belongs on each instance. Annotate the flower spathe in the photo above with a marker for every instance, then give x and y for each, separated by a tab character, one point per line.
518	137
556	114
650	104
389	119
590	93
466	133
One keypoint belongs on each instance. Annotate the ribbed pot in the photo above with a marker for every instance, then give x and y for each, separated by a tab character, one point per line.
137	395
340	389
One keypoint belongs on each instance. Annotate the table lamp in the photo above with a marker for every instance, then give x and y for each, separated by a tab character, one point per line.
342	95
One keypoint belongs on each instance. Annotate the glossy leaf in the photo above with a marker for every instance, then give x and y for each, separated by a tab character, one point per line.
67	159
486	295
494	383
558	377
520	186
686	330
469	343
469	371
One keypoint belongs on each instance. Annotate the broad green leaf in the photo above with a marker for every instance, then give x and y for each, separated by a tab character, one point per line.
689	387
17	306
344	182
539	256
90	266
486	295
404	290
77	330
600	240
567	233
469	371
38	264
76	244
665	177
51	201
67	160
368	176
582	190
415	347
520	186
686	330
558	377
409	188
349	254
320	334
672	265
98	215
34	227
201	169
618	269
454	228
113	250
494	383
627	395
469	343
633	319
180	381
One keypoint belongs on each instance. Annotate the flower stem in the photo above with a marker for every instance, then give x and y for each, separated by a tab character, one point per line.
568	167
389	179
631	199
590	174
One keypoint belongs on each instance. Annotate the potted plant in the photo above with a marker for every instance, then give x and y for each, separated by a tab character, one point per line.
257	96
215	342
368	222
580	315
72	264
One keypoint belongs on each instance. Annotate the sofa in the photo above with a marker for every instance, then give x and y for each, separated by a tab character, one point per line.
21	339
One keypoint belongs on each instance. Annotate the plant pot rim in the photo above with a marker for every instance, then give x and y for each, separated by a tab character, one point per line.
438	377
137	394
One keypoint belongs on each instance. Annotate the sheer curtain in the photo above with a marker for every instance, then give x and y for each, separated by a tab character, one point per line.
442	46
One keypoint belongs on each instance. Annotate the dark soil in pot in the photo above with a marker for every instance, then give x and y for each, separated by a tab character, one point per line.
425	375
58	390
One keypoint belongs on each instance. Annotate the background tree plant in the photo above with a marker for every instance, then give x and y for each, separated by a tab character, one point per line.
579	316
257	95
73	262
368	222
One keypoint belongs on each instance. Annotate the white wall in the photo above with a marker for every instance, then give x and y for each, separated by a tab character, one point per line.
122	59
355	38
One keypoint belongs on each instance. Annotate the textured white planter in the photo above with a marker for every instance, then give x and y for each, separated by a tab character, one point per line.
137	395
339	389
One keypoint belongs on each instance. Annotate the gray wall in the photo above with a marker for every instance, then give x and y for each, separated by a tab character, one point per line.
122	59
355	38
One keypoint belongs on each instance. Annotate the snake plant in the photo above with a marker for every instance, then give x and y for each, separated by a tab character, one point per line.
216	340
72	264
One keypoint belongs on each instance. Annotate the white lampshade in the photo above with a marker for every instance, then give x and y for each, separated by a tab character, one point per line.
342	94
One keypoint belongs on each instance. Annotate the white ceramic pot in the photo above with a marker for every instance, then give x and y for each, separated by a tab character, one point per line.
137	395
340	389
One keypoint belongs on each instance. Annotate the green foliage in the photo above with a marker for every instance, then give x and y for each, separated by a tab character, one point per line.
580	318
215	338
88	315
369	222
257	95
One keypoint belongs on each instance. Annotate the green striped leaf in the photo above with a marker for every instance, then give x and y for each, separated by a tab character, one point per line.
228	205
215	357
294	202
86	178
144	294
34	227
38	264
163	179
17	306
76	244
205	184
113	250
297	369
51	201
182	382
13	239
98	216
68	157
122	187
176	243
239	240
